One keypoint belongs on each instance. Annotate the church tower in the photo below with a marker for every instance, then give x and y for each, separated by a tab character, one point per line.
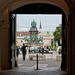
40	29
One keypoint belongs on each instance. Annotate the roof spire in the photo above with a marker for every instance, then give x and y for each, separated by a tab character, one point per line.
40	25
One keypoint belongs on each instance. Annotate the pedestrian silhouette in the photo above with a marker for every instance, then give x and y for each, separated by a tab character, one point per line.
24	51
17	51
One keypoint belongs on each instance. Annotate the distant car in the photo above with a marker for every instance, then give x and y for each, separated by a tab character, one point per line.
36	49
45	50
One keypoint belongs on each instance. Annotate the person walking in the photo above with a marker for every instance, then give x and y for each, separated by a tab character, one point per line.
59	51
43	50
24	51
17	51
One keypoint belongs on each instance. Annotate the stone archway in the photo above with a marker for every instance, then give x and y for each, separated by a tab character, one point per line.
26	9
14	5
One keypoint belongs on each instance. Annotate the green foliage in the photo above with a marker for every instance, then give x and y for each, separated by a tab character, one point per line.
58	33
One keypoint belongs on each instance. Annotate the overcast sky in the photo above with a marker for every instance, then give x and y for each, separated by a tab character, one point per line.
49	22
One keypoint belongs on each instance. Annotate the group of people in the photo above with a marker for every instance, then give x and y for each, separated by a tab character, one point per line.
49	48
41	49
23	49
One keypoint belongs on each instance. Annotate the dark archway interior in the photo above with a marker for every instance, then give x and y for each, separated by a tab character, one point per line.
41	8
38	9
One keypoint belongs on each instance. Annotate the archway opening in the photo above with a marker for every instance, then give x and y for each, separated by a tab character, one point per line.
44	28
40	8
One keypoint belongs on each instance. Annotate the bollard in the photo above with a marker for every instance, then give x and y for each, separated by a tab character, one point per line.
37	62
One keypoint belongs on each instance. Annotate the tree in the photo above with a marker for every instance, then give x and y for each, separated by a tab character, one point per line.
58	33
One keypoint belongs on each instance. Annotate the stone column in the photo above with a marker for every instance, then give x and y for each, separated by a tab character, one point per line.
4	43
72	45
68	46
0	52
64	41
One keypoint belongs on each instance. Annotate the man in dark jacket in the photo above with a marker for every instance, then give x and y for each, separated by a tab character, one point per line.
24	51
17	51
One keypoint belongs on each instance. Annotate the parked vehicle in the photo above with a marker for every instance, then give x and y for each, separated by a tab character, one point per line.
45	50
36	49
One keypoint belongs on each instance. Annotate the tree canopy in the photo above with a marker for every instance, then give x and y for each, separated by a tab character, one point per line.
58	33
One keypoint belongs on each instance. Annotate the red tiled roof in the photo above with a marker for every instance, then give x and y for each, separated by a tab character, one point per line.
22	33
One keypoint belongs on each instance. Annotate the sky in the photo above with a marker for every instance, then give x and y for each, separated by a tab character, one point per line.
49	22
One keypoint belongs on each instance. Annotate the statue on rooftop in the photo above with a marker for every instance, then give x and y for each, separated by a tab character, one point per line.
33	24
26	39
40	39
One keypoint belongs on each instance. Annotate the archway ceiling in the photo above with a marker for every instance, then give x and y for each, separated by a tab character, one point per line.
14	4
38	8
68	2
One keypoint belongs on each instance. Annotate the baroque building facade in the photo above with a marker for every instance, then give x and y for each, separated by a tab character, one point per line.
46	38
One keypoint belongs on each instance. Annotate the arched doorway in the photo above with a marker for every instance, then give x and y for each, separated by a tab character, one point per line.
12	5
40	8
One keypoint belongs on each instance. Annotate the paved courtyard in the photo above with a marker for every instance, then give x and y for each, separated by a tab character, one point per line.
31	71
48	67
49	62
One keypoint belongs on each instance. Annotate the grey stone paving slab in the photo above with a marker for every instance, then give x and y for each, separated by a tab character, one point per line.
48	67
31	71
